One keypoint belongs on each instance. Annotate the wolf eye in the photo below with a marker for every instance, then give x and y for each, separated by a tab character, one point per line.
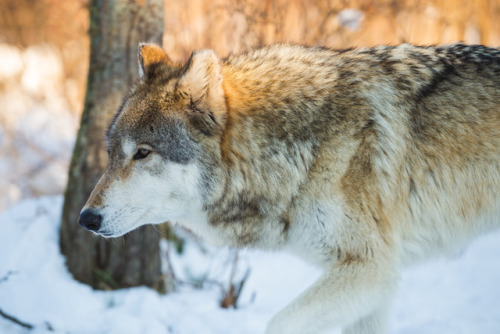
141	153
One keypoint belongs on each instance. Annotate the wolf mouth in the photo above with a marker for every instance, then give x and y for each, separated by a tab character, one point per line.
105	234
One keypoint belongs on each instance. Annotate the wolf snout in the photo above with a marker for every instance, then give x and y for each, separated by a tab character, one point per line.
90	220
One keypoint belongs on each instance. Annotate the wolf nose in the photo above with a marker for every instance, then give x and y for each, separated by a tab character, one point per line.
90	220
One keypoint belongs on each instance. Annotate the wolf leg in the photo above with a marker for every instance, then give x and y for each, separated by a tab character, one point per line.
342	295
373	323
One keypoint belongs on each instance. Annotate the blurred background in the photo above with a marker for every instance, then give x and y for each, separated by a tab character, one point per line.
44	55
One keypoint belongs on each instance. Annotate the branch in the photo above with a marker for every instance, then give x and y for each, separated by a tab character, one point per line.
7	276
230	297
16	321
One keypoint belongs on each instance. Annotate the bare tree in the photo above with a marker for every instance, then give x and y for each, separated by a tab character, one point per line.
116	28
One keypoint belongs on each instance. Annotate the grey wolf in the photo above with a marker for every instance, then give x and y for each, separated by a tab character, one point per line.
360	161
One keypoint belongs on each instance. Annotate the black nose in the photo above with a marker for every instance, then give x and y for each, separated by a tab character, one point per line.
90	220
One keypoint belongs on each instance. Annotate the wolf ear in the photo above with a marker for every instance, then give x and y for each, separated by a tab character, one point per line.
151	57
202	80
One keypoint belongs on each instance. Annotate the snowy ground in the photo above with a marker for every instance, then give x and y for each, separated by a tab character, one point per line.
461	295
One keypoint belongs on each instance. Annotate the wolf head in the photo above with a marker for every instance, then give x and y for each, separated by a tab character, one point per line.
168	122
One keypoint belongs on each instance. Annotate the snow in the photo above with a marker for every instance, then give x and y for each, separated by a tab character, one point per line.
461	295
351	18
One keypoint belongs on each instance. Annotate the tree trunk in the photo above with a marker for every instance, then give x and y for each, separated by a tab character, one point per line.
116	28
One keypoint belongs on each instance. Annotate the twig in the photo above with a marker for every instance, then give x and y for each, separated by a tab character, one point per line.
230	297
16	321
7	276
170	279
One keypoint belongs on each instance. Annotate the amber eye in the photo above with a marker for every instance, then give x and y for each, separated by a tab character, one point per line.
141	153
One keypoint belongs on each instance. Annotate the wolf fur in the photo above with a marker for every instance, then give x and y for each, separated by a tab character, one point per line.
359	161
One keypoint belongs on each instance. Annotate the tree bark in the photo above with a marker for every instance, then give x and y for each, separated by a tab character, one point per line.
116	28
